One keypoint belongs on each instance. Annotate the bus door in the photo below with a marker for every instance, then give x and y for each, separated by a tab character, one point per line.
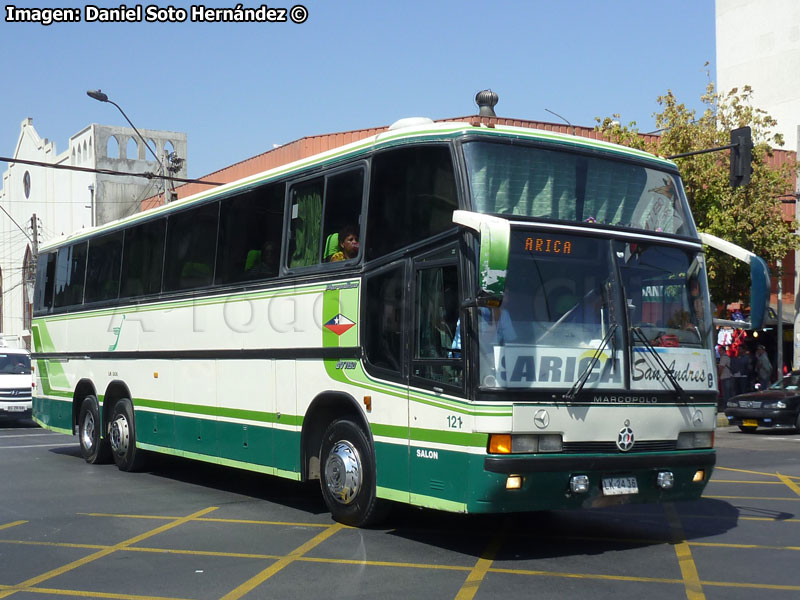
385	333
439	422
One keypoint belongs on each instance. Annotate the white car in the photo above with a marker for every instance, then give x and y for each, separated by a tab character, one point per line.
15	382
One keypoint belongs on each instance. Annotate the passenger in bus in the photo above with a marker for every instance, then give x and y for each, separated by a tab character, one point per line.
348	244
267	264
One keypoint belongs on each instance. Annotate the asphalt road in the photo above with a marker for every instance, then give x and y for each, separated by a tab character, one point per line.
182	530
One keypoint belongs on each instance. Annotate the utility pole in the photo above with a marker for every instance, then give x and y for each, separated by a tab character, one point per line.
779	354
35	238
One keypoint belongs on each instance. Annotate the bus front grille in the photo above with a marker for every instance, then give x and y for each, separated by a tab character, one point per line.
607	447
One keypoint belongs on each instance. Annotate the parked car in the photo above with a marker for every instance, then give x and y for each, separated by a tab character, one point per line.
776	406
15	382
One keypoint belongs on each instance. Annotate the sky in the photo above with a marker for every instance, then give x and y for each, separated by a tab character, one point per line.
239	89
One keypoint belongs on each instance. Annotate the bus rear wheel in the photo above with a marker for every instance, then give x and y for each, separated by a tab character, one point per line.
347	475
122	436
95	449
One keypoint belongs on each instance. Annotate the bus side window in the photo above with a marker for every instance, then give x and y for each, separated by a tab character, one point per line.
383	327
70	275
437	320
306	223
343	195
102	276
142	259
45	282
412	197
191	248
250	232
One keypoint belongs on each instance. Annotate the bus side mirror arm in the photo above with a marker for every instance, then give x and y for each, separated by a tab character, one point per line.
759	276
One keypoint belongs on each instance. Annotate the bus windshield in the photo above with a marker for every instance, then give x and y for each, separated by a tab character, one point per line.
568	297
530	181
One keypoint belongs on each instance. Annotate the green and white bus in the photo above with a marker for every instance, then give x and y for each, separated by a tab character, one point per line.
525	326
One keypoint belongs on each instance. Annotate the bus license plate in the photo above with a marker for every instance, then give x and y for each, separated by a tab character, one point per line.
616	486
749	423
15	408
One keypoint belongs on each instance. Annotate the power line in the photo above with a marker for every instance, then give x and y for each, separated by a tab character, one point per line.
36	163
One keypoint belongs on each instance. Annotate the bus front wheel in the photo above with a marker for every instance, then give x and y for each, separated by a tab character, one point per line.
94	448
123	437
347	474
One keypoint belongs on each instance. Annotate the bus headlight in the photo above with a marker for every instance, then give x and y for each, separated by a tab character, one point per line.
690	440
503	443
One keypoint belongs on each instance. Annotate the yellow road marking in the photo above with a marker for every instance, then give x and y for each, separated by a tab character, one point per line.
691	580
12	524
747	482
88	594
749	472
595	576
750	498
25	585
586	576
254	582
744	546
475	577
209	520
789	483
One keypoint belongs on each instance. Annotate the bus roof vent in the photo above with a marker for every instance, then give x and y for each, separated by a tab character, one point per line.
486	101
410	122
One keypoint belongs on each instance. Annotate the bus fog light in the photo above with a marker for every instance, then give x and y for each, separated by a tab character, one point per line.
514	482
579	484
699	476
665	480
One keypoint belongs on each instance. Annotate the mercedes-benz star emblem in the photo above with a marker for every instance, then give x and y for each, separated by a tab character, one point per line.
541	419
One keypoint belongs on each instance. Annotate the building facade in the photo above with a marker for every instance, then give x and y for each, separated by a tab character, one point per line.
758	44
42	202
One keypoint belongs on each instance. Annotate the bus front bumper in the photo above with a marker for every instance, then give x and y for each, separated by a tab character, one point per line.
530	483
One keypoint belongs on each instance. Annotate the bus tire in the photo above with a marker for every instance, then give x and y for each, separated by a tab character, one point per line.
347	475
122	436
95	449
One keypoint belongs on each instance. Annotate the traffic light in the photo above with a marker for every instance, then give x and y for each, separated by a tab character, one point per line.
741	156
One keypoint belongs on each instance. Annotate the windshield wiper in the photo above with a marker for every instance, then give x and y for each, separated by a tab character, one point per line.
637	332
584	376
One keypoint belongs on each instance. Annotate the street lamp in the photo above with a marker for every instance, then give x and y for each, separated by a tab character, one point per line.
102	97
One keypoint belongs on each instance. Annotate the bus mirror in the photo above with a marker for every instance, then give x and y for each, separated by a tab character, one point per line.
494	235
759	277
481	301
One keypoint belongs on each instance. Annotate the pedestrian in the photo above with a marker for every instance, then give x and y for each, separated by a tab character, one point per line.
726	375
740	364
763	367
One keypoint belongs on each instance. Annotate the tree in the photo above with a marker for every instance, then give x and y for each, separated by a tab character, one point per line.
750	215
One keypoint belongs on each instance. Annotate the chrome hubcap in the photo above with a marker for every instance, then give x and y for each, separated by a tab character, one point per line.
88	431
343	472
120	435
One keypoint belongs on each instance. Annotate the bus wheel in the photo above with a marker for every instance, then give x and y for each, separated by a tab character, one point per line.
347	474
123	437
94	448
